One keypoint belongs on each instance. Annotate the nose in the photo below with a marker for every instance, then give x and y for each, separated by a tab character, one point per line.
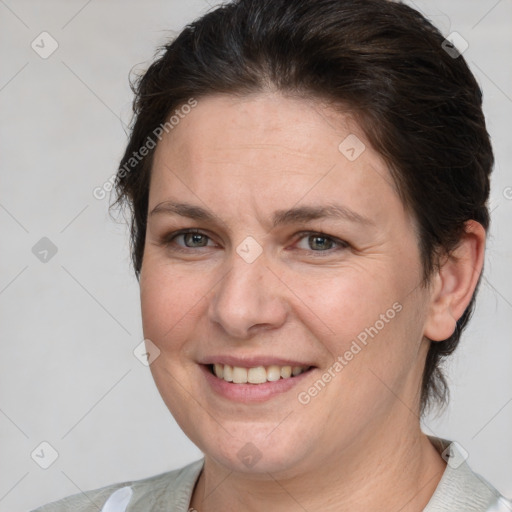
248	299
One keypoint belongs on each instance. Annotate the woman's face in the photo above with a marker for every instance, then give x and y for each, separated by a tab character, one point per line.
305	257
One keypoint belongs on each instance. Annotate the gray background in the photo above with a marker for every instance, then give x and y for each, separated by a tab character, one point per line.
69	325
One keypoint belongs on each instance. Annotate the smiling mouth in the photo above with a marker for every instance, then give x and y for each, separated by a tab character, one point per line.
256	375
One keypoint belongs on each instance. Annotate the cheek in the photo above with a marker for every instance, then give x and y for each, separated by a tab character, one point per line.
343	302
367	316
372	347
170	302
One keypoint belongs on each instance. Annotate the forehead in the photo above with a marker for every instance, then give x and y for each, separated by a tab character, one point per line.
265	150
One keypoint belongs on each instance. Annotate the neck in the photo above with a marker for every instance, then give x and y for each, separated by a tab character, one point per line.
393	469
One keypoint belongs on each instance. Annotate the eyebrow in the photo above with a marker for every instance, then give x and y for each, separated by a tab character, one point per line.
280	217
307	213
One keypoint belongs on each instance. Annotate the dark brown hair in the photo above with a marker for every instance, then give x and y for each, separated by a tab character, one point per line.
419	106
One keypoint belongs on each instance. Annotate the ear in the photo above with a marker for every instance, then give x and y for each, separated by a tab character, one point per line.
453	285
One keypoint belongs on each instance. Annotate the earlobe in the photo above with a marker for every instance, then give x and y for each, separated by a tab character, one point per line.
454	283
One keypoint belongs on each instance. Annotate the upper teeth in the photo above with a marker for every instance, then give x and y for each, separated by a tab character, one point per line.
257	375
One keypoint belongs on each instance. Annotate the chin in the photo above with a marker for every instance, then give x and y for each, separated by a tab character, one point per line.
259	453
249	459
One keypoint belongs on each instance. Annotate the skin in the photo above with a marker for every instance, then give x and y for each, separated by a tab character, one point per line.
357	445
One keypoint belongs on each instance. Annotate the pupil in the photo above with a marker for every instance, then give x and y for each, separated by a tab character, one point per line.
196	238
320	245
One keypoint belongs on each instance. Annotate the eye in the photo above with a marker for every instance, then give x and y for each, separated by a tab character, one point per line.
191	238
320	242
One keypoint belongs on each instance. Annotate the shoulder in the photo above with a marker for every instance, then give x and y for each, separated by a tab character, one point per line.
164	489
462	489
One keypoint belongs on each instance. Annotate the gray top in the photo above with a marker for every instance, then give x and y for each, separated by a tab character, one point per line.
459	490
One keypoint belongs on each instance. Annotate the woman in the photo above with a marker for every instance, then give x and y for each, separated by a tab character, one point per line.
308	184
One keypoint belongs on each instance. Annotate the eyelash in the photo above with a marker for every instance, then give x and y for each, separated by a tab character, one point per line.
169	239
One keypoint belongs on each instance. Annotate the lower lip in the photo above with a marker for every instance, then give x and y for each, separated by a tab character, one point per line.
247	393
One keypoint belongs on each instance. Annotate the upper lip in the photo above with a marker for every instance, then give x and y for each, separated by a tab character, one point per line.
252	361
